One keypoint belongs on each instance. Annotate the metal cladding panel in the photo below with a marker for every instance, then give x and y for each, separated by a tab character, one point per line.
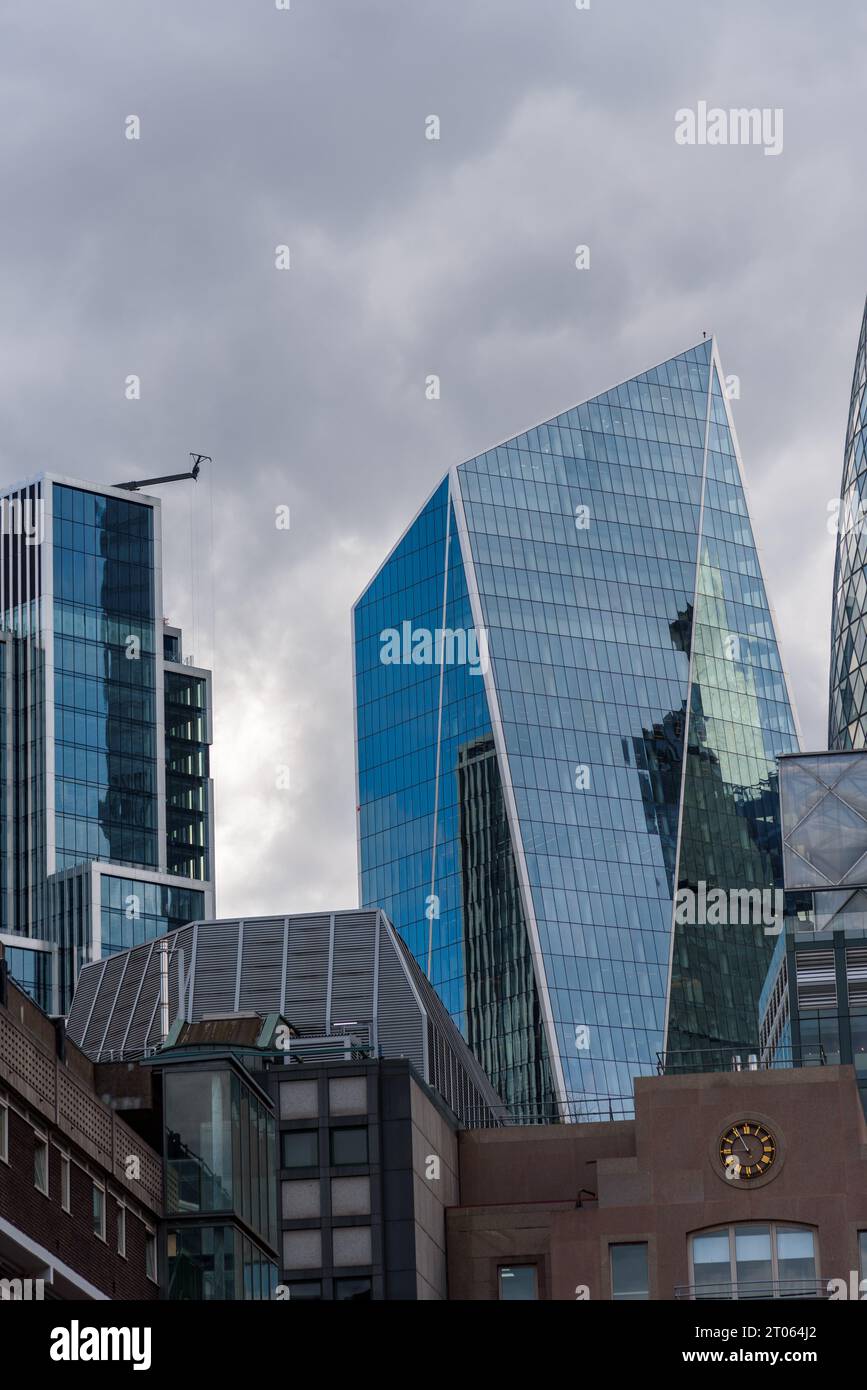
306	982
261	965
353	961
127	996
453	1069
353	968
400	1021
216	968
144	1029
88	984
112	969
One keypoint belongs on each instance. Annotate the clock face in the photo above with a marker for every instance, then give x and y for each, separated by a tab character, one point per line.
747	1150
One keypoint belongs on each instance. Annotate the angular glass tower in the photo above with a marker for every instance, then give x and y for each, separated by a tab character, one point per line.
569	702
847	710
107	822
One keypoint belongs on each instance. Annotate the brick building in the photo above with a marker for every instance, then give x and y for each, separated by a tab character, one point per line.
726	1185
80	1192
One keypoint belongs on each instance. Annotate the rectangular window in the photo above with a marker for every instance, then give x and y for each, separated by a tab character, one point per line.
99	1210
121	1231
65	1186
300	1148
357	1290
4	1131
348	1147
753	1261
629	1278
151	1255
307	1290
518	1283
40	1164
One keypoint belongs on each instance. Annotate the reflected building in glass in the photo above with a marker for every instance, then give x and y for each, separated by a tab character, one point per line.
107	836
220	1165
847	715
569	703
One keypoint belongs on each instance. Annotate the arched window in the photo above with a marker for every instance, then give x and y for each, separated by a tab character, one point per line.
756	1259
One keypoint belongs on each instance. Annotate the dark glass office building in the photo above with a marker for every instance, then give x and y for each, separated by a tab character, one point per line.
107	832
569	702
847	717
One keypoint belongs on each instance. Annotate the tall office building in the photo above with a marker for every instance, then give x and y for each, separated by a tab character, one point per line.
847	713
106	798
569	702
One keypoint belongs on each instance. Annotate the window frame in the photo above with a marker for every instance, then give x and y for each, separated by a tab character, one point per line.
98	1187
151	1246
4	1130
333	1133
65	1182
773	1228
628	1298
307	1168
520	1263
40	1144
121	1230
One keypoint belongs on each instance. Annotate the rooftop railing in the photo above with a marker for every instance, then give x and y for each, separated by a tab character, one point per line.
745	1058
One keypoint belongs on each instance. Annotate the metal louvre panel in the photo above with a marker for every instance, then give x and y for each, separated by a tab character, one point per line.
816	979
353	968
400	1022
126	998
306	981
112	970
456	1066
856	974
88	984
261	965
216	968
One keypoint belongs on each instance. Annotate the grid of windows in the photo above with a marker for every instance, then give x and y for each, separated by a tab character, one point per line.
642	704
105	682
134	911
32	971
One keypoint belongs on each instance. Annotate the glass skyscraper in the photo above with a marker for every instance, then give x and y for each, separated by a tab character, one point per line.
569	701
847	714
106	794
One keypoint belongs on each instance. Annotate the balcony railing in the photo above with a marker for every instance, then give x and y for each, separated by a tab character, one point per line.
744	1290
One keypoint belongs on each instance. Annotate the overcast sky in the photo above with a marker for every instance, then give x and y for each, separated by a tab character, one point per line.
305	127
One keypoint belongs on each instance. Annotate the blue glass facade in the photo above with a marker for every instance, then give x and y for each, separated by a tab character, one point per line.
107	734
132	911
105	740
530	797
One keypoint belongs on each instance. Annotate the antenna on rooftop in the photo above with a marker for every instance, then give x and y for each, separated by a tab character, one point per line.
198	460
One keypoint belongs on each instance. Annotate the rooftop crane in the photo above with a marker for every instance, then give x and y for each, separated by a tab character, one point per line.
198	460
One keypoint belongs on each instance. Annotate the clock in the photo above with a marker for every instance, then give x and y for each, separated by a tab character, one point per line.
747	1151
